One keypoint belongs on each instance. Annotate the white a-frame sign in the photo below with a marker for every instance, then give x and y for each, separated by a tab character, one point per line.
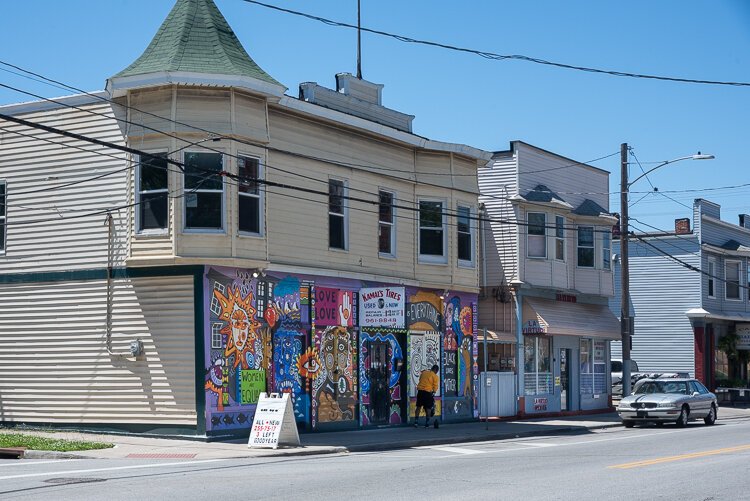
274	423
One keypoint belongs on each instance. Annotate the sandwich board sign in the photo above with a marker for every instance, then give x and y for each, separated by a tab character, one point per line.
274	422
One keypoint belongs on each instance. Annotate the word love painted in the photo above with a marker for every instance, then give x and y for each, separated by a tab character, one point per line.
334	307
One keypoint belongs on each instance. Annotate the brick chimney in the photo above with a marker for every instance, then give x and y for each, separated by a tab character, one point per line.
682	226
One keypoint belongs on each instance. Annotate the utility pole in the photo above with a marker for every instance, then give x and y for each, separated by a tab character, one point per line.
625	320
359	39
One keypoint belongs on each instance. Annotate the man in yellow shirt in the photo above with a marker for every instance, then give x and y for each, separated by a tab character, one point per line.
426	388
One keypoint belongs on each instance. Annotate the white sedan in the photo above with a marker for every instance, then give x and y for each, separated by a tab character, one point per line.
668	400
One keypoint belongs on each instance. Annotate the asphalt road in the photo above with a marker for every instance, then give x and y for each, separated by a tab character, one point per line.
650	463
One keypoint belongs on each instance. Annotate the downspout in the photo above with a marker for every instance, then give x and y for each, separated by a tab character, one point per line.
482	215
518	299
109	222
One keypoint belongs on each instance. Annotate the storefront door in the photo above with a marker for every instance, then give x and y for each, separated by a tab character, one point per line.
565	379
379	376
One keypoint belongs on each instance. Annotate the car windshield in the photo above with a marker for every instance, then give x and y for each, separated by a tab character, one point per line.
648	387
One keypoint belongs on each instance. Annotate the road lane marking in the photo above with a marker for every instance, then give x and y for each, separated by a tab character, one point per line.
27	462
536	444
456	450
114	468
668	459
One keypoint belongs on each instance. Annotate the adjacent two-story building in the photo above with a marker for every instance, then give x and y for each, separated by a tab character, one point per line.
221	238
689	296
547	279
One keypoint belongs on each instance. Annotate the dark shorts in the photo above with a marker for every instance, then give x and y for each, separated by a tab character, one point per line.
425	399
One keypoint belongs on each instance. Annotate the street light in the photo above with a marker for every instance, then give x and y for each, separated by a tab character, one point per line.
626	327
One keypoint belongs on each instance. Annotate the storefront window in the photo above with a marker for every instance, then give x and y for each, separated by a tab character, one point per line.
587	373
600	367
537	374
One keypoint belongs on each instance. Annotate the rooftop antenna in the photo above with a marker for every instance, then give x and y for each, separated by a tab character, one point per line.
359	39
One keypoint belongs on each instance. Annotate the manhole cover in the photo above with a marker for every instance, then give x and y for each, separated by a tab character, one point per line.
72	480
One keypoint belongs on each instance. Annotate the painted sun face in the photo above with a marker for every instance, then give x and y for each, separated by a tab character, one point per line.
240	328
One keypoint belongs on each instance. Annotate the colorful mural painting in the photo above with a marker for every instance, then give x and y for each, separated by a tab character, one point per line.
334	387
257	331
459	358
382	376
301	335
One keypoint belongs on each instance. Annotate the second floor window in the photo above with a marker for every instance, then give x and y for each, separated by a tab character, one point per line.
536	241
432	230
386	224
152	193
560	238
733	279
586	246
465	240
3	213
204	191
336	214
711	275
250	208
606	250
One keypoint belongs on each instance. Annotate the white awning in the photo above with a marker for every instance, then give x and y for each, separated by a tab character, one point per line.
561	318
700	313
497	336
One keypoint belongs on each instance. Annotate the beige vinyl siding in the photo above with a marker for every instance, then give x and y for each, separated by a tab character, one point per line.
54	365
52	226
497	183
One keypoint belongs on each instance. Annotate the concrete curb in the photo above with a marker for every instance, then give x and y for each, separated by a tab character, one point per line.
32	454
427	442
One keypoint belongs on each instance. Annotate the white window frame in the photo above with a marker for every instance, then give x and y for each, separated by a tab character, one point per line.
464	263
529	235
138	218
4	218
592	246
727	282
186	192
391	224
560	236
606	250
260	196
433	258
538	382
345	215
711	278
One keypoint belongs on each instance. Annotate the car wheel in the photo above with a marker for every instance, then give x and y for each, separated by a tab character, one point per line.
628	424
711	418
682	420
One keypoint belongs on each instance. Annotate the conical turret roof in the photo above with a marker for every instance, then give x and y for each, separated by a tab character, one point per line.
196	38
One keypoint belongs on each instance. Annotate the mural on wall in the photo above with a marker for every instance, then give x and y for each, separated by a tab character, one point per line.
382	377
459	357
424	352
334	387
237	355
256	330
284	314
334	307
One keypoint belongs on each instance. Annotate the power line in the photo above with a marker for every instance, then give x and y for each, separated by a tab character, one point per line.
369	168
241	179
499	57
688	265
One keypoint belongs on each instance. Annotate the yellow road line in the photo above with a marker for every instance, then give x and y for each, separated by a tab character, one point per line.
668	459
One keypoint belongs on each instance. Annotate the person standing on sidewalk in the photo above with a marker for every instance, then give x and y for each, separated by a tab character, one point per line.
426	388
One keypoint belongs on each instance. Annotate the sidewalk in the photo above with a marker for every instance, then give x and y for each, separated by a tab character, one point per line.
136	447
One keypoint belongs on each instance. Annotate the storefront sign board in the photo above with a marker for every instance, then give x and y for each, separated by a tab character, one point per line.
250	384
743	336
274	424
533	327
382	307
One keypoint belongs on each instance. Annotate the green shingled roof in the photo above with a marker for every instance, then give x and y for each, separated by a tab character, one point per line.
195	37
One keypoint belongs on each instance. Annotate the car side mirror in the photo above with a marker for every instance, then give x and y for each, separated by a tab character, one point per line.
695	393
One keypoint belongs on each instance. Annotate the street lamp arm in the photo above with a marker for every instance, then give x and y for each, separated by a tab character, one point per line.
697	156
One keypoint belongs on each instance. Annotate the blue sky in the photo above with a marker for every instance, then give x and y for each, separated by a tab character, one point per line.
464	98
